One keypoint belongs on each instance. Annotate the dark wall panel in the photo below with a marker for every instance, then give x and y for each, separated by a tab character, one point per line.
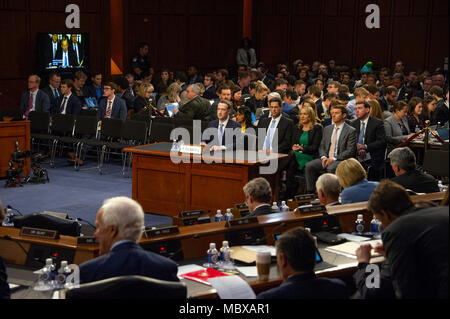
415	31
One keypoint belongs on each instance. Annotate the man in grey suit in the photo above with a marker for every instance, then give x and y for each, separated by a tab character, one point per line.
338	143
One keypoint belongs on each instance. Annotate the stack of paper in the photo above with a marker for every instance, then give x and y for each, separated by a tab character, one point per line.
348	249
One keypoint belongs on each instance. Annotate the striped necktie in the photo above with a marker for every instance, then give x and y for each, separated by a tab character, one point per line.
108	110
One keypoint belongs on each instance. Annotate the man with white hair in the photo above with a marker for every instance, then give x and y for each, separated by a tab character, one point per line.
328	189
197	108
120	222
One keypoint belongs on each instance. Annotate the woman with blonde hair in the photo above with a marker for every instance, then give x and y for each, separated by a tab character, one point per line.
143	98
375	109
172	96
353	178
259	99
305	147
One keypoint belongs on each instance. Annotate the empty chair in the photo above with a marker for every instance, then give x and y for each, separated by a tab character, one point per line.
435	162
161	129
62	126
129	287
39	127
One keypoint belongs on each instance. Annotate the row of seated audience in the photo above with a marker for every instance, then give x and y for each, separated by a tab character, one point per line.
317	130
414	245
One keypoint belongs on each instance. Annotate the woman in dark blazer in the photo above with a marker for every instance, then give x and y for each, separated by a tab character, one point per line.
305	146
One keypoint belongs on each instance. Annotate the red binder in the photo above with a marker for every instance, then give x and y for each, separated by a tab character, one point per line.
203	275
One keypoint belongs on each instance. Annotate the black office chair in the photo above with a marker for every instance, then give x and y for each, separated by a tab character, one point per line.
62	126
160	130
129	287
39	128
435	162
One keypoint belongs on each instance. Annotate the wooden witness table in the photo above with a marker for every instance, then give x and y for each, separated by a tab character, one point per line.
10	132
165	183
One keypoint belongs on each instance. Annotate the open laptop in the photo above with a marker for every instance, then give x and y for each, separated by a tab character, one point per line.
320	263
91	102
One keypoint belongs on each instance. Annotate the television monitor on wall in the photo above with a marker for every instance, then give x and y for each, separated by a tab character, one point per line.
63	51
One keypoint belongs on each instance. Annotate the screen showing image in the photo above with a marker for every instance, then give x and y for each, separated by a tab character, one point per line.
62	51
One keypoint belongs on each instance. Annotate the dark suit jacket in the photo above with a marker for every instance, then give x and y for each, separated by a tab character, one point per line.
308	286
417	181
42	103
51	96
231	125
346	143
210	93
416	246
119	109
374	138
74	54
128	259
91	91
314	139
73	105
319	107
263	210
285	129
72	58
384	103
442	112
404	94
4	287
196	109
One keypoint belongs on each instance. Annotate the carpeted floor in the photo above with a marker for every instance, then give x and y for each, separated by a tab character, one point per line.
79	194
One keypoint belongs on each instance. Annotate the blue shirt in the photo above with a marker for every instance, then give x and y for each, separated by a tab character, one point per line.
359	192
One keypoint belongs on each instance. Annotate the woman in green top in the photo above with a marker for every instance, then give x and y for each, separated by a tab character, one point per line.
305	147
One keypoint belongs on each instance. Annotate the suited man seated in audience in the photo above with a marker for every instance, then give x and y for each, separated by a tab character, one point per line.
371	146
278	126
258	196
120	222
338	143
4	286
34	99
415	242
95	89
353	179
296	255
223	127
112	107
403	163
388	100
196	108
68	103
328	189
53	90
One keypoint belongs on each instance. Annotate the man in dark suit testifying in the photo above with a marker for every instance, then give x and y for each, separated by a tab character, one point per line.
223	127
67	57
338	143
68	103
371	146
120	222
113	106
258	196
34	99
279	129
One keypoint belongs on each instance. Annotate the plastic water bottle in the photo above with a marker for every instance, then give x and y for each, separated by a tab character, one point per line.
63	272
228	215
224	252
8	221
175	146
284	207
48	275
275	207
212	256
219	216
314	237
359	224
374	226
417	129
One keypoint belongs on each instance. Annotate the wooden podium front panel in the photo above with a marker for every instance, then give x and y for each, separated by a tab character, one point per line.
158	184
217	186
10	132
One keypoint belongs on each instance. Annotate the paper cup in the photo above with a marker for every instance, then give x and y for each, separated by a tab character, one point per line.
263	260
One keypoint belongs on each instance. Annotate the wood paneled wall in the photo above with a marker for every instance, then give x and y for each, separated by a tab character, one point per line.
203	33
207	33
415	31
22	20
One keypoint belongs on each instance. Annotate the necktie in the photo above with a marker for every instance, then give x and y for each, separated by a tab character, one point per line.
30	105
55	92
220	133
63	106
362	133
66	63
333	143
269	136
108	110
75	48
